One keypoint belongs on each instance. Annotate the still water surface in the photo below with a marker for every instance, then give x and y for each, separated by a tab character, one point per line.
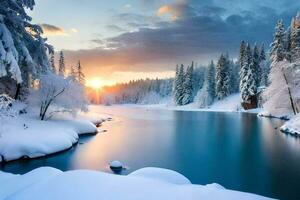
237	150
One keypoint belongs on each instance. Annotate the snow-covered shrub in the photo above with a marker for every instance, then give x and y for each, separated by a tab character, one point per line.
58	94
6	103
6	111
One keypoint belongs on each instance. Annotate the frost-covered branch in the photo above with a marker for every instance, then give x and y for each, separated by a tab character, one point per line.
58	94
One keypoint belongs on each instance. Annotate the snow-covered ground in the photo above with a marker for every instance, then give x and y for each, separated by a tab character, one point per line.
292	126
229	104
27	136
147	184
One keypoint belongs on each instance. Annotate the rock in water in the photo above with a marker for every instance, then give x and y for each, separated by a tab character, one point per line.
116	166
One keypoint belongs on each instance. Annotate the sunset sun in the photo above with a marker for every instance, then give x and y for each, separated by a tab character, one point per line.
150	99
95	83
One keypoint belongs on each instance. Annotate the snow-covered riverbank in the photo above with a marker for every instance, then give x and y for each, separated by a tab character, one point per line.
147	184
27	136
292	126
229	104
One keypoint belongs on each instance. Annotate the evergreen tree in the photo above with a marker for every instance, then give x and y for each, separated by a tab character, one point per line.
295	38
288	45
178	89
246	73
210	79
23	51
234	76
243	65
222	78
251	79
73	74
264	67
188	86
52	63
277	47
62	68
175	83
80	74
256	65
242	54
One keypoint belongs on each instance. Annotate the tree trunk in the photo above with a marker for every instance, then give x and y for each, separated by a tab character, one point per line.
17	95
290	93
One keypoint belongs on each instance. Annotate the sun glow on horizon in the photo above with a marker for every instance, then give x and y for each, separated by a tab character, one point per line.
95	83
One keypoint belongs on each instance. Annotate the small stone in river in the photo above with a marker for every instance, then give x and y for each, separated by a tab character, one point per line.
116	166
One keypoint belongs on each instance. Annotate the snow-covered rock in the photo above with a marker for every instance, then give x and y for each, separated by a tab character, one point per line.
116	165
49	183
292	126
166	175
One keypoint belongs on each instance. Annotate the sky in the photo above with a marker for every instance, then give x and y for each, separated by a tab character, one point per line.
120	40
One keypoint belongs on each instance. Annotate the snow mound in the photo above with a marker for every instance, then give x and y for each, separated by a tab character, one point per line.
292	126
215	186
231	103
16	183
79	126
24	136
166	175
93	185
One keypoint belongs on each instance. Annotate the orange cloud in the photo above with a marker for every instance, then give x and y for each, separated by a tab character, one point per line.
51	30
167	9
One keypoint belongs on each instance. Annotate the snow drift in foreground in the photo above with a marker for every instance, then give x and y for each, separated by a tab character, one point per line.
292	126
147	184
25	136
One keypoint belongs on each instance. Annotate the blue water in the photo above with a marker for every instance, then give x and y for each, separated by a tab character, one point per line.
237	150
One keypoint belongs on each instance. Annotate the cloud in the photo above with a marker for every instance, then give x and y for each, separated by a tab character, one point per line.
115	28
176	10
200	32
51	30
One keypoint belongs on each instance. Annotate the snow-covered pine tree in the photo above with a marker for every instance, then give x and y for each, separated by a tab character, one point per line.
179	86
174	87
279	96
234	70
22	49
52	63
256	66
243	66
277	47
61	67
206	95
251	80
248	85
295	38
80	74
222	78
264	67
188	85
211	81
288	44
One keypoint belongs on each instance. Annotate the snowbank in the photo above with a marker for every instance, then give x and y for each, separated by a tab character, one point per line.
48	183
161	174
25	136
292	126
230	104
